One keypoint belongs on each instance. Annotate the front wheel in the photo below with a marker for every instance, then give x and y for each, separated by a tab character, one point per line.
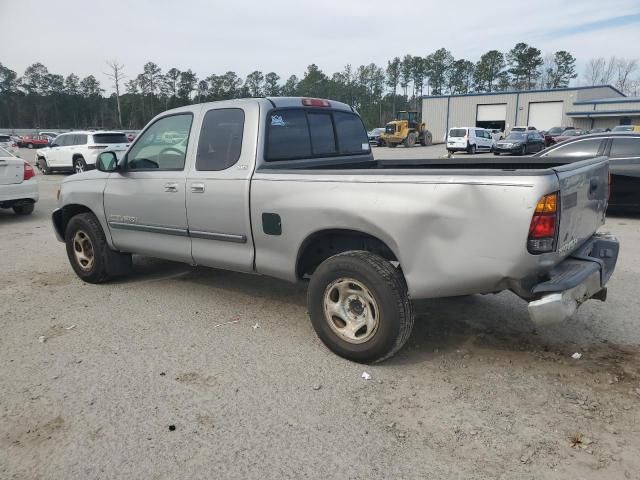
472	149
88	251
43	166
359	306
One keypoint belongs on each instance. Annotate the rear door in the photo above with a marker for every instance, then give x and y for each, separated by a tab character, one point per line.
624	164
218	188
11	170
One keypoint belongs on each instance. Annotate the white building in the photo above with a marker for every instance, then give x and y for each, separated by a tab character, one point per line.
580	107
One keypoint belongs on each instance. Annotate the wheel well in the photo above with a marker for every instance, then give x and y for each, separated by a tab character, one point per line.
67	213
76	156
324	244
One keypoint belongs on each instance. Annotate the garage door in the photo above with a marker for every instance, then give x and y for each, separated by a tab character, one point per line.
544	115
492	113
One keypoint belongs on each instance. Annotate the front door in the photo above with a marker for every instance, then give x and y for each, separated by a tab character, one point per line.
145	201
218	188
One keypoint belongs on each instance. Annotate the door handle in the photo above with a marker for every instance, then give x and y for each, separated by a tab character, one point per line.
197	188
171	187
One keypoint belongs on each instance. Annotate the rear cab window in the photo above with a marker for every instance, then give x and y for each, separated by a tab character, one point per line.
299	133
458	132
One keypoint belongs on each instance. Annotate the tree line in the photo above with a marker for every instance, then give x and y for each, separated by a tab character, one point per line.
40	98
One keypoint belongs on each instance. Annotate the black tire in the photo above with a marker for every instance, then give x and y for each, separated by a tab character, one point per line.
29	145
426	139
386	285
43	166
79	165
107	264
472	150
25	209
410	141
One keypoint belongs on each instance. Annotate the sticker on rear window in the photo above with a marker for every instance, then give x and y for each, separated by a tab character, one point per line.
277	121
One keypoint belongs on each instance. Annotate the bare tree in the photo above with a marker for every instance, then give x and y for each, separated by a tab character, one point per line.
117	76
624	70
608	71
593	70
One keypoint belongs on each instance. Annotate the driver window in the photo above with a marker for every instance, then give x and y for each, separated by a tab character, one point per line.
163	146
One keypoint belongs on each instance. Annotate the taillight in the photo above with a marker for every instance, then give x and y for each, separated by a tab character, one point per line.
315	102
28	172
544	225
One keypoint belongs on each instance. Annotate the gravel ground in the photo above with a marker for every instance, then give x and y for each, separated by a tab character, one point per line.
181	372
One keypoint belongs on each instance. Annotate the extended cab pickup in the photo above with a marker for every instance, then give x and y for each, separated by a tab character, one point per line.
288	187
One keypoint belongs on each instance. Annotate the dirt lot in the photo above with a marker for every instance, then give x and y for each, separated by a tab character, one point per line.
181	372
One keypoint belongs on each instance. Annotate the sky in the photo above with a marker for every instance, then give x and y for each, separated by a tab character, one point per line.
79	36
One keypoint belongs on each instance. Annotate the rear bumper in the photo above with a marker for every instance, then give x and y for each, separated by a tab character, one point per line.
575	280
17	193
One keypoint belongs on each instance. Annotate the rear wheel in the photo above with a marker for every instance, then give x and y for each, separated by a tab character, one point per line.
43	166
79	165
359	306
88	251
29	145
26	209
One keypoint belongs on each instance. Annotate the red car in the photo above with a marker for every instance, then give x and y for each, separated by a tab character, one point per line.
33	141
576	132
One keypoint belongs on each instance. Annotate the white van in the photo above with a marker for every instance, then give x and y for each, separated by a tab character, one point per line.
469	139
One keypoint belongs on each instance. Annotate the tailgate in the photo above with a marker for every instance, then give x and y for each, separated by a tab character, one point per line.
584	189
11	171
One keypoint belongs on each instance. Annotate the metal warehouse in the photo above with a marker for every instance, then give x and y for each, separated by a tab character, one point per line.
581	107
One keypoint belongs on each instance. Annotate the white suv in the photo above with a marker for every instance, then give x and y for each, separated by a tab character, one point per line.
469	139
77	151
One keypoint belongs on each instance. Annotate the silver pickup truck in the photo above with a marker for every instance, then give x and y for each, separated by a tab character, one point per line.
288	187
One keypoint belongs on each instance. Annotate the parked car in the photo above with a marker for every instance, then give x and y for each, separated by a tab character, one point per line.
623	150
51	136
574	132
469	139
77	151
626	128
551	135
33	141
374	137
520	143
251	192
7	142
523	129
18	187
496	134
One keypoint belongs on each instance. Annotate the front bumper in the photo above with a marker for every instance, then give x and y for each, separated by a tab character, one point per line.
500	149
575	280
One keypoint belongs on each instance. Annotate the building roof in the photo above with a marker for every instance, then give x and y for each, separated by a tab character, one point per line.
609	100
507	92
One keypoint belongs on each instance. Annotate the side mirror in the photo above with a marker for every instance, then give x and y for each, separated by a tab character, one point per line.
107	162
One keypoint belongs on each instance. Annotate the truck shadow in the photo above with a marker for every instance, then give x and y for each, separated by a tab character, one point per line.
499	323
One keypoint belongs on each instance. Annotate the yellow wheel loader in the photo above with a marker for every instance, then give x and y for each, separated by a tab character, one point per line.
407	130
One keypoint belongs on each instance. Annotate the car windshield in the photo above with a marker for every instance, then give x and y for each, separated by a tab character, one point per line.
572	133
517	136
555	131
623	128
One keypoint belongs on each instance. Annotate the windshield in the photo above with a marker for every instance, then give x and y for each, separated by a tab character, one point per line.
555	131
517	136
623	128
572	133
458	132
